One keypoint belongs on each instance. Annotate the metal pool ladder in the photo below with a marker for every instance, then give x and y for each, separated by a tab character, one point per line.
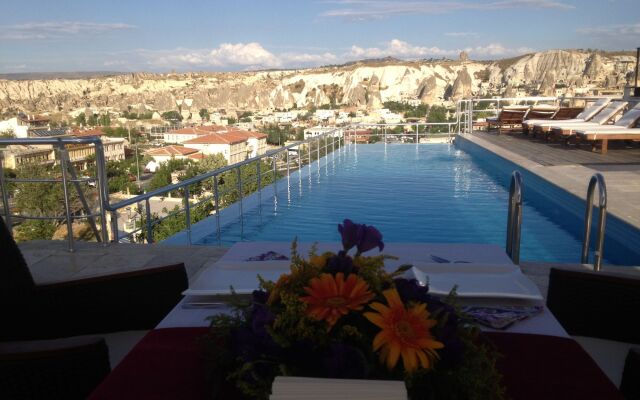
514	217
596	179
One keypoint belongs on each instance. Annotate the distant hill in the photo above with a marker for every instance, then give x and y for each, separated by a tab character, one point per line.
25	76
364	84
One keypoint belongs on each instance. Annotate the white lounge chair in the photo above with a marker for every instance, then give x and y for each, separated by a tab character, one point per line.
587	114
601	135
567	130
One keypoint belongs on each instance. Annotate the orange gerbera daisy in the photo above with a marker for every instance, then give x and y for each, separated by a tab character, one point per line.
404	332
332	297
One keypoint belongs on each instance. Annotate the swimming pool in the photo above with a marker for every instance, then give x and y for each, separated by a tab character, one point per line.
411	193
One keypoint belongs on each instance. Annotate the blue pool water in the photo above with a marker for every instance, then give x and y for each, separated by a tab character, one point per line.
411	193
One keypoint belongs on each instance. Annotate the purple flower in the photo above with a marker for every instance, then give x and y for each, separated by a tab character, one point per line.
371	238
340	263
362	236
259	296
351	234
261	318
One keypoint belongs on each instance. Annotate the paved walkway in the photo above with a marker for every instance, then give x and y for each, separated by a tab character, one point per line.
50	261
572	168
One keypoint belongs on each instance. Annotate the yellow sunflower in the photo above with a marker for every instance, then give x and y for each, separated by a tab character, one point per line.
332	297
404	332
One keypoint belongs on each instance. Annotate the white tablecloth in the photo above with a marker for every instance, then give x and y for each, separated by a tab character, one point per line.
544	323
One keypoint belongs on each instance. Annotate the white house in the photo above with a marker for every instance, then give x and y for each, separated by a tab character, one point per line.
321	130
232	146
16	126
164	154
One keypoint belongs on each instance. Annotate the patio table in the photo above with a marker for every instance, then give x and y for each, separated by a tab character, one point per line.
540	360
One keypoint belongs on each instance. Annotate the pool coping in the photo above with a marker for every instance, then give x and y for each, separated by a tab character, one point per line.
575	182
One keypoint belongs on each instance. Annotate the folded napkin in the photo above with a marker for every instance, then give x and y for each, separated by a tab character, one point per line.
268	256
500	317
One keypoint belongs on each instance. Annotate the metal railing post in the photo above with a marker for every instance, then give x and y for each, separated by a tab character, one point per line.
147	207
596	179
216	197
5	196
187	211
240	195
103	190
65	191
514	217
114	226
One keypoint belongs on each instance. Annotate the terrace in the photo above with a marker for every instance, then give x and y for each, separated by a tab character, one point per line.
569	168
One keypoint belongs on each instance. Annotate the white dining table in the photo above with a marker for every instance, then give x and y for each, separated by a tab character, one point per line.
185	314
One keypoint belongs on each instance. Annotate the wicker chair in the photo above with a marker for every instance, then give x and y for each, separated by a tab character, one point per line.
600	305
52	369
33	368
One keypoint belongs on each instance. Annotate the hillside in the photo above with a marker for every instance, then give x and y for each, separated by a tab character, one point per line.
366	83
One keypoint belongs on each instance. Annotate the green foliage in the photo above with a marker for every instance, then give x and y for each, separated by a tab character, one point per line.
33	229
44	199
172	116
204	113
231	120
277	135
80	120
407	110
131	115
116	132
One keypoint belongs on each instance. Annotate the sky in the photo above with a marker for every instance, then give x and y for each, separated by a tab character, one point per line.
238	35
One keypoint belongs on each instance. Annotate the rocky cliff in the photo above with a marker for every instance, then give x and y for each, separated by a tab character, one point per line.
362	84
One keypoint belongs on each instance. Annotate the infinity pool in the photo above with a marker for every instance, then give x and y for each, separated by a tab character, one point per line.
411	193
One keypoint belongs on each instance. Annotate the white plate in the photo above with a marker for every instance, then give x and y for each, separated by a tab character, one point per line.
476	280
242	276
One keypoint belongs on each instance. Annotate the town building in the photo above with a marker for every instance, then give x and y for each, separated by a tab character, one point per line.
163	154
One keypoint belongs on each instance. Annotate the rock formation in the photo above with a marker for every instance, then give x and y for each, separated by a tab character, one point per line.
361	84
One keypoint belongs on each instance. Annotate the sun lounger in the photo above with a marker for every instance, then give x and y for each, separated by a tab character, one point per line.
508	119
587	114
602	136
566	131
563	113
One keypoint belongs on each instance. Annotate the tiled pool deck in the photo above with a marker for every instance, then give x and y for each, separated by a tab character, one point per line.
571	168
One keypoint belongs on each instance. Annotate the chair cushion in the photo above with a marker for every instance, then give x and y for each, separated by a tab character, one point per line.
16	281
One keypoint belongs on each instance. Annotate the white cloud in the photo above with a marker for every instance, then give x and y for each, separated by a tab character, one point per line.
377	9
497	50
49	30
461	34
252	56
248	54
612	30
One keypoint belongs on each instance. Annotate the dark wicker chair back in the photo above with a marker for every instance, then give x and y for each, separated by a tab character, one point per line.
53	369
596	304
16	281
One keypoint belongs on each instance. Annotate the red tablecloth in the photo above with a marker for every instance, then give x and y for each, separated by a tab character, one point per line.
166	365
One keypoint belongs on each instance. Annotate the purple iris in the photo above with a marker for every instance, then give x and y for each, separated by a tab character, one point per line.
351	234
371	239
362	236
340	263
260	296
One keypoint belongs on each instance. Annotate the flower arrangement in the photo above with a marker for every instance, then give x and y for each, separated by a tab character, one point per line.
344	316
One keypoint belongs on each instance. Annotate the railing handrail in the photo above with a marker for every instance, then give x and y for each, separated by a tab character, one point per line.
59	143
596	179
514	217
198	178
38	141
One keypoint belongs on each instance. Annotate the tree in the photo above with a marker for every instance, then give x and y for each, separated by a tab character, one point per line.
204	113
43	199
172	116
81	119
